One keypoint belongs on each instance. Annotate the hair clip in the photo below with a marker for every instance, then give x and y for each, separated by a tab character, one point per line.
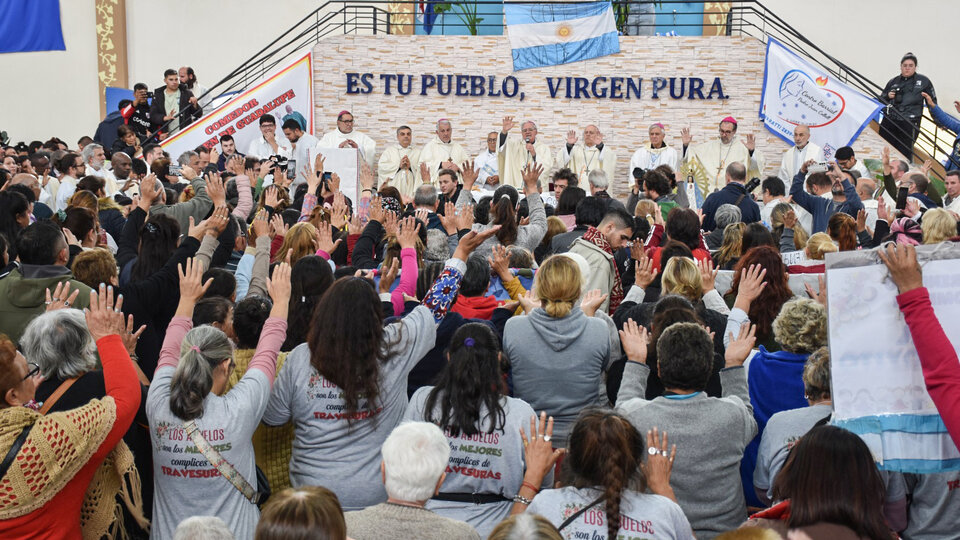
195	349
469	342
61	216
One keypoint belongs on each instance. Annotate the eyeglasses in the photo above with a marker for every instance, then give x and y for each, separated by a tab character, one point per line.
33	371
726	131
346	121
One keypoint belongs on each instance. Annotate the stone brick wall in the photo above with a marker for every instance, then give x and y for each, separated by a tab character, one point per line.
737	61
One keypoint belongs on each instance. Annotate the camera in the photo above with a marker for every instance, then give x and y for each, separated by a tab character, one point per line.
753	184
175	169
280	161
638	173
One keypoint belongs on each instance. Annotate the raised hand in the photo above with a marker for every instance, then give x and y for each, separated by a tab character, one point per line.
465	217
790	220
103	318
390	223
500	262
539	455
278	287
591	301
806	165
367	179
61	297
862	220
388	275
821	295
423	215
215	189
927	165
324	239
751	285
636	250
901	261
531	173
572	137
740	346
635	340
149	191
338	214
199	229
685	136
271	197
130	336
424	173
751	142
928	99
261	225
707	274
885	160
644	272
529	302
192	286
469	175
376	210
218	221
408	233
472	241
659	464
507	124
277	226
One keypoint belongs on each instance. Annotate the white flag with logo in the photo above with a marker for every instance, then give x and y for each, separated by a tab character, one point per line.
797	92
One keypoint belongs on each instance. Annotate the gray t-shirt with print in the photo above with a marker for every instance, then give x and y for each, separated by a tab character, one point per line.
783	431
484	463
328	449
642	515
181	472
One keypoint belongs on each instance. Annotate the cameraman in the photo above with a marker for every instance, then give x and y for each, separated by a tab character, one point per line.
903	96
137	114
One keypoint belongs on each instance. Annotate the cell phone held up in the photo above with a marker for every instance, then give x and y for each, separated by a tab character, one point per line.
291	169
901	198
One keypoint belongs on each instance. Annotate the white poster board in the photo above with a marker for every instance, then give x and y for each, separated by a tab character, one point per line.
878	388
346	163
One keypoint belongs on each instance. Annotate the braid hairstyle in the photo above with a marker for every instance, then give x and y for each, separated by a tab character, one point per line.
605	453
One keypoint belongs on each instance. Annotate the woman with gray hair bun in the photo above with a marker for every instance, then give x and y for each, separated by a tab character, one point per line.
785	428
726	214
202	448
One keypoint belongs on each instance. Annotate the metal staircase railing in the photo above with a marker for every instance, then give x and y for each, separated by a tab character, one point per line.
745	18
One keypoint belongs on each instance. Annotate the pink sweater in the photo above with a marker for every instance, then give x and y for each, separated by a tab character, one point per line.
938	358
408	279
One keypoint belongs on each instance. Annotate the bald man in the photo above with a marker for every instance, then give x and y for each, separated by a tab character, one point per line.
40	208
802	151
442	153
515	153
589	155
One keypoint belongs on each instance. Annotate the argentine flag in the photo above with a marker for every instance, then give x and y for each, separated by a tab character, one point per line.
551	34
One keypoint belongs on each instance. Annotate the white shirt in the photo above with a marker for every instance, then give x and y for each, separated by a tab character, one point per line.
260	148
365	144
861	168
645	158
303	153
486	166
110	181
794	158
68	185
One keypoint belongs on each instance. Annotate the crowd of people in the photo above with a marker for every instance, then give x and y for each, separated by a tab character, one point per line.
205	346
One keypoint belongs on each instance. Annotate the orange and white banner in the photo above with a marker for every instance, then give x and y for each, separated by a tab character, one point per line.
286	93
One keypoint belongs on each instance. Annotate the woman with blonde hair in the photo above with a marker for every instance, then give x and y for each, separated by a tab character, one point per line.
816	249
938	225
732	247
525	527
681	276
302	239
559	351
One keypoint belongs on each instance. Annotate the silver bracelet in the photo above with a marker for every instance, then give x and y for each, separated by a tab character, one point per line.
522	500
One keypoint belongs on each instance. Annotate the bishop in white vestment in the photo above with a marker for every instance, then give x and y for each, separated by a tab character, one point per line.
591	154
515	153
345	136
712	158
399	165
442	153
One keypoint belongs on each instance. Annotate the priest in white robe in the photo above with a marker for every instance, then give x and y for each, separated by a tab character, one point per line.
442	153
399	164
798	155
655	153
707	162
346	137
589	155
515	153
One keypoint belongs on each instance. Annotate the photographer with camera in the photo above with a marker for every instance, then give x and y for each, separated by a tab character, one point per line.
845	198
735	193
903	95
137	114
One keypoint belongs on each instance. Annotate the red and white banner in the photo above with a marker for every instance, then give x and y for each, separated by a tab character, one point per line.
286	93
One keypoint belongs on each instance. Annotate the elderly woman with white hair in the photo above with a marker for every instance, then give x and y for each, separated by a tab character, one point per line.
414	465
202	441
59	342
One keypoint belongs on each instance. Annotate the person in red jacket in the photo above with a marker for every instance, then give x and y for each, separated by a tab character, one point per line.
938	357
56	456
